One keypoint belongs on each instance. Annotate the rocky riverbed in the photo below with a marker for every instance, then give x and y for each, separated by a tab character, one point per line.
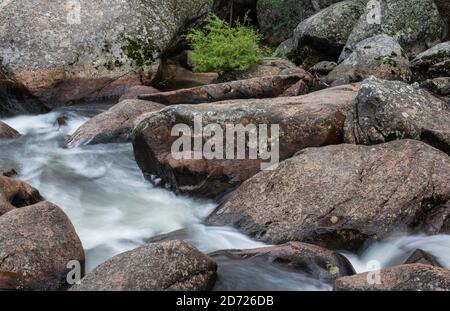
90	186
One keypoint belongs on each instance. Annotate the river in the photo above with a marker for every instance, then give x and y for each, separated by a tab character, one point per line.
114	209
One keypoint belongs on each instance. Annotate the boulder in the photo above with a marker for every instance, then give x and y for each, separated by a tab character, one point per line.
15	98
269	86
7	132
415	24
323	68
340	196
36	244
15	194
166	266
412	277
316	262
315	119
444	10
72	49
270	66
134	92
114	125
380	56
422	257
323	35
286	49
388	110
438	86
432	63
277	19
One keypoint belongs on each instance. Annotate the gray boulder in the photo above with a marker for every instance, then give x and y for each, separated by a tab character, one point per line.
432	63
166	266
340	196
380	56
89	44
277	19
415	24
323	35
37	243
388	110
114	125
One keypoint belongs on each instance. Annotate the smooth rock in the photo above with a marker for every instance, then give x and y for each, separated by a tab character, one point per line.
114	125
315	119
412	277
7	132
37	243
166	266
16	194
340	196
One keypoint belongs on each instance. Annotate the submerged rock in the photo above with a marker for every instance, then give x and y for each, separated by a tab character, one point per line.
415	24
7	132
388	110
314	261
113	126
341	196
315	119
37	243
166	266
265	87
15	194
432	63
412	277
422	257
380	56
323	35
77	50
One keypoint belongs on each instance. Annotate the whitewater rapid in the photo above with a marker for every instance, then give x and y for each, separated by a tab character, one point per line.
114	209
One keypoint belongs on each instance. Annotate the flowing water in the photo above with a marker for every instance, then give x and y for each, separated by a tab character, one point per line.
114	209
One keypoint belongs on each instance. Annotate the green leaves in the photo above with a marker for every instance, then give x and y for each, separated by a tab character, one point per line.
221	48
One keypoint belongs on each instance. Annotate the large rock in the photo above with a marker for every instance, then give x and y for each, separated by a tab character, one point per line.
380	56
277	19
270	66
323	35
15	194
15	98
388	110
315	261
340	196
432	63
315	119
415	24
412	277
37	243
114	125
166	266
83	47
265	87
444	10
7	132
134	92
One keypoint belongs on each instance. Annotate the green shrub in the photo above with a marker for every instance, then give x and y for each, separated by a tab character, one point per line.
221	48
